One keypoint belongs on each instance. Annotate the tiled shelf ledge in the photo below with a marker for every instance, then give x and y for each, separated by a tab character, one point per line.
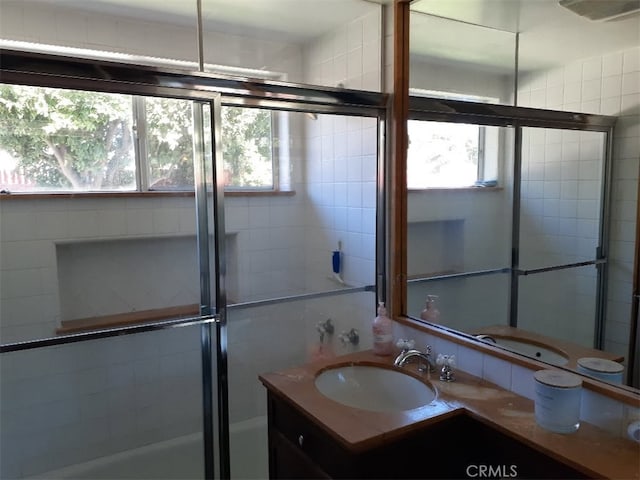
126	319
455	189
132	238
420	276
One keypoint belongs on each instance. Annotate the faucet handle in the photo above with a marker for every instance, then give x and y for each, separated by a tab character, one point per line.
325	327
351	337
405	344
447	362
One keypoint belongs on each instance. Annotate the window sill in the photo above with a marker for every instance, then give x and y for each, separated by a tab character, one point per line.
233	193
455	189
126	319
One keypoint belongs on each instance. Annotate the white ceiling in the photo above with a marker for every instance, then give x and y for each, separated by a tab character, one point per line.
550	35
293	20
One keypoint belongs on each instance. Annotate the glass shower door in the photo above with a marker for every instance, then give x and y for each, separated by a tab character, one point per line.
561	233
120	407
283	284
109	356
459	202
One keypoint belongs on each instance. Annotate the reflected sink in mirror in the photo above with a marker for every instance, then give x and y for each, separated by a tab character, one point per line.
543	353
374	388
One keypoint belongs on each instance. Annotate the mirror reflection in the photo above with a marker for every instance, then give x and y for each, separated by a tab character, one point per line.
460	58
525	253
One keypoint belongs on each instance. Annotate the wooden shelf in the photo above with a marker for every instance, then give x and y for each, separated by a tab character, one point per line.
124	319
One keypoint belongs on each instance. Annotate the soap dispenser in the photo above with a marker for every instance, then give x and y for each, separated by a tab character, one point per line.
430	312
382	332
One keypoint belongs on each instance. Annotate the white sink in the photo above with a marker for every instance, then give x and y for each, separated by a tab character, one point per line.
374	388
534	350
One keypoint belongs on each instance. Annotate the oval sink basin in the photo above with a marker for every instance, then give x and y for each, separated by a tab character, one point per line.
539	352
374	388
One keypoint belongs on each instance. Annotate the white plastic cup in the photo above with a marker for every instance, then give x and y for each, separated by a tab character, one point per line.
601	368
557	400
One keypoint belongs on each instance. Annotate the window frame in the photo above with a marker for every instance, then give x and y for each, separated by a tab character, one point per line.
142	163
481	180
275	153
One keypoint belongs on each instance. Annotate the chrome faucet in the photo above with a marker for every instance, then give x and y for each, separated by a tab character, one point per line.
488	338
407	355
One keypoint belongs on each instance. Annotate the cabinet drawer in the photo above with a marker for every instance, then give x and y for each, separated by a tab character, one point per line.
289	462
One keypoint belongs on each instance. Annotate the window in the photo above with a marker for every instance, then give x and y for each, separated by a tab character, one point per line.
67	140
54	139
165	131
443	155
247	148
451	155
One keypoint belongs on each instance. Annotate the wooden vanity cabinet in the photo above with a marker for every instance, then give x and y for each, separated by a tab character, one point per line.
299	448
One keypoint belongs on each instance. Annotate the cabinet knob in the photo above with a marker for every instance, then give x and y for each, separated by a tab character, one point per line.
300	440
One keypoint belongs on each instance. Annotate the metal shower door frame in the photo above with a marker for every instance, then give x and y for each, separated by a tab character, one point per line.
455	111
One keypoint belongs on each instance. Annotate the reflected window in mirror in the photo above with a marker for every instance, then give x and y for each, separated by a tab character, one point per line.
451	155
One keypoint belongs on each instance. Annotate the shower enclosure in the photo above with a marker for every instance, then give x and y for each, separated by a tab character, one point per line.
231	283
530	249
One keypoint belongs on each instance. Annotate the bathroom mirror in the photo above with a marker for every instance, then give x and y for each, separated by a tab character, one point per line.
460	59
517	238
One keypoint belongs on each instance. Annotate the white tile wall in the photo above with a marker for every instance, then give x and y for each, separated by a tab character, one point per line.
602	411
608	85
463	231
559	233
37	303
349	56
341	153
68	404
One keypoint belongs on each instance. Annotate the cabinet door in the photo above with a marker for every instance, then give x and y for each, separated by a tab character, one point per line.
287	461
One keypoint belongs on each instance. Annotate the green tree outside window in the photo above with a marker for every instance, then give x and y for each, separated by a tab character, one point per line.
84	141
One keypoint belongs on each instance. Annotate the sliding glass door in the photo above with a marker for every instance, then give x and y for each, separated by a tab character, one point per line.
111	363
561	225
259	213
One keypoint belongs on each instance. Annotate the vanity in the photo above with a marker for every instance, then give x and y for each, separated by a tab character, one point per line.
471	428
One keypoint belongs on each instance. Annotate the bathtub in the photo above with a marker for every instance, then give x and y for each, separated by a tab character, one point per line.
177	458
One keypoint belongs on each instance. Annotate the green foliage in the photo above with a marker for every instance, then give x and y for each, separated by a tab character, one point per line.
66	139
169	143
246	143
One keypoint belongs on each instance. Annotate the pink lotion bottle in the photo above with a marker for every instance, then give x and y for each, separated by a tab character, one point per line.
430	312
382	332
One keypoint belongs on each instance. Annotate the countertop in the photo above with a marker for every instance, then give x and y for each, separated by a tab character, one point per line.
591	450
571	350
